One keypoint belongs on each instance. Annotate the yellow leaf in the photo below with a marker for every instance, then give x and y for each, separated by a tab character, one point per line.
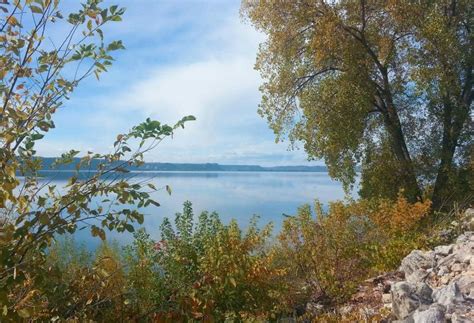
13	21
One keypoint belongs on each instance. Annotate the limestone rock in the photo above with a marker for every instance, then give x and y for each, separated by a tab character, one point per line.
434	314
443	250
448	295
404	300
415	264
465	283
439	284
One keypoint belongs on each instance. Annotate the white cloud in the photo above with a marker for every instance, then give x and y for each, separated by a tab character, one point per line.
209	74
202	88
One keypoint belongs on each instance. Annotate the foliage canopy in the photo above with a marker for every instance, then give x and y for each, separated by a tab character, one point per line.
384	84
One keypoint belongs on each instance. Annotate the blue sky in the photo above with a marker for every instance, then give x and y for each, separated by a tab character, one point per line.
182	57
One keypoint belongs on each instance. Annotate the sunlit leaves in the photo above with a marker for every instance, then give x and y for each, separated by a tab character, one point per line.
212	270
36	78
346	244
346	77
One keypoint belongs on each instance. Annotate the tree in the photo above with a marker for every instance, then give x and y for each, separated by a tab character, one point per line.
37	74
371	82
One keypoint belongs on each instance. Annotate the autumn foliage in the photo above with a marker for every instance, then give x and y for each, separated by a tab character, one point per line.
206	270
329	255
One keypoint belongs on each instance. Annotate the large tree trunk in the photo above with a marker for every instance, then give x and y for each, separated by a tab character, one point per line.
454	117
455	114
400	149
397	139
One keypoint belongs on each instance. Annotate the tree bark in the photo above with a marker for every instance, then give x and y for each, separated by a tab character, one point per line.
455	113
400	149
398	142
454	118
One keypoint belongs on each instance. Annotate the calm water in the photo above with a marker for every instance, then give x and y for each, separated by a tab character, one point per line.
238	195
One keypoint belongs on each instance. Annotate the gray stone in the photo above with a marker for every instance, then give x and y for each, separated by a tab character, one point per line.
465	283
418	275
404	300
416	260
465	253
443	250
460	318
465	237
434	314
447	261
447	295
452	268
457	267
424	293
443	270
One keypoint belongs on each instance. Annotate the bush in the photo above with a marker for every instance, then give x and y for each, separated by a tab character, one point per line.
216	271
328	256
207	270
203	270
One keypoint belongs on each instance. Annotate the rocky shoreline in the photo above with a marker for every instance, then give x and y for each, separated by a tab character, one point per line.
438	285
428	287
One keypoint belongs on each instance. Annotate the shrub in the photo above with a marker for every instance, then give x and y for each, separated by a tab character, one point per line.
75	285
327	256
216	271
207	270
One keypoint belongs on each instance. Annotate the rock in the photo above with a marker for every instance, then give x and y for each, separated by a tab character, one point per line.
443	270
465	284
438	286
431	286
465	253
404	300
448	295
457	267
443	250
344	310
445	279
417	276
465	237
424	293
461	318
447	261
415	261
434	314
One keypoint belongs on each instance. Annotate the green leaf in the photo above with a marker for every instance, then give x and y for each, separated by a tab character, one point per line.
29	145
44	219
36	9
36	136
154	202
23	313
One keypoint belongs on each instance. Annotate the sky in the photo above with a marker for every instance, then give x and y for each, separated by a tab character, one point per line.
182	58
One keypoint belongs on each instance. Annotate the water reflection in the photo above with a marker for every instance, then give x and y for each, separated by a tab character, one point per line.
238	195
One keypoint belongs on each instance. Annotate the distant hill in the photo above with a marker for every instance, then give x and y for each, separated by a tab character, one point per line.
185	167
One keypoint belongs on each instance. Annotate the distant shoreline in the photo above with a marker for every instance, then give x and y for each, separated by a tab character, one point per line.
48	162
187	171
